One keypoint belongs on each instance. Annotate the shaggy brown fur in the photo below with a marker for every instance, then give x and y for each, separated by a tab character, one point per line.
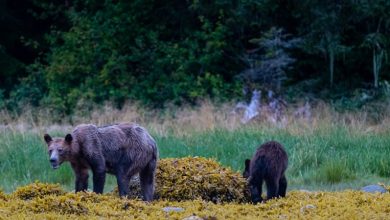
122	149
269	163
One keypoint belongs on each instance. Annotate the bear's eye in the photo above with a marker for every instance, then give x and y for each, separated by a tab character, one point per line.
60	150
50	152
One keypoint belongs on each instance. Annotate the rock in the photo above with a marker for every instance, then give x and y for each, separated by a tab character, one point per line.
172	209
193	217
307	207
373	189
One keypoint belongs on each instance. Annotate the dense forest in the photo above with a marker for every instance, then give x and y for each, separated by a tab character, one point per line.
60	54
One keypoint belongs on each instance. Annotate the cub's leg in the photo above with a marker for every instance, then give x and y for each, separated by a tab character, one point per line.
272	187
282	186
256	185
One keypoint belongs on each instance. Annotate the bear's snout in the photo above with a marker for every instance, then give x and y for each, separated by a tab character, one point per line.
54	163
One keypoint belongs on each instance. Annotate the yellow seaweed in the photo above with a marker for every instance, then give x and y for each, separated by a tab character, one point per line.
189	178
37	189
198	178
49	201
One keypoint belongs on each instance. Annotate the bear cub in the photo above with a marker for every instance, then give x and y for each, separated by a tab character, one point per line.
122	150
268	164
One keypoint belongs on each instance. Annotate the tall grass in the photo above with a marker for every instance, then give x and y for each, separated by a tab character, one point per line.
327	151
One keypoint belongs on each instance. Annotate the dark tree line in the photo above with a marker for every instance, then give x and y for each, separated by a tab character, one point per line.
61	53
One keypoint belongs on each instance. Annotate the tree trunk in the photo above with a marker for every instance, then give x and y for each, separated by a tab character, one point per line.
331	66
377	58
375	68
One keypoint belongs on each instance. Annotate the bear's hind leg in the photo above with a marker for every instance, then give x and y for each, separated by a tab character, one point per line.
123	180
147	180
282	186
272	188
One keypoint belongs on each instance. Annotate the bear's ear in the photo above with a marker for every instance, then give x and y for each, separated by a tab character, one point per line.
68	138
247	163
47	138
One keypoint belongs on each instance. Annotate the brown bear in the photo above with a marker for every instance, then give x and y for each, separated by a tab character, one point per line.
122	150
268	164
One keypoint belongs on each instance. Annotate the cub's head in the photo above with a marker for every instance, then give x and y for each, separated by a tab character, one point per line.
246	173
58	149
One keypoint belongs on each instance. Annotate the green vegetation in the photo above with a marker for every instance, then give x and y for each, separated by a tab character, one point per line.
332	151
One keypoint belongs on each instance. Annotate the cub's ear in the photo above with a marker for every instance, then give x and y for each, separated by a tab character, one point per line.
47	138
247	163
68	138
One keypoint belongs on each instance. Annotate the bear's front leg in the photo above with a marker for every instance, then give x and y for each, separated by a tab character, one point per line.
255	186
81	173
82	181
99	178
99	175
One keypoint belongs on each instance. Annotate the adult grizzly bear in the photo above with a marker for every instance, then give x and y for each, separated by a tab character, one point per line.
122	149
269	163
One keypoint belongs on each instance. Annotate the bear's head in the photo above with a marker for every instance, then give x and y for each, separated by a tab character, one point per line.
58	149
246	172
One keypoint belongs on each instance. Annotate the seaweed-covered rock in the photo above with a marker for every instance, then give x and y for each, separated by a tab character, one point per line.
3	196
195	178
347	204
37	190
59	204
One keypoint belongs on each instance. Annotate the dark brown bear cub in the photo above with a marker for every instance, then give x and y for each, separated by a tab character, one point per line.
122	149
268	164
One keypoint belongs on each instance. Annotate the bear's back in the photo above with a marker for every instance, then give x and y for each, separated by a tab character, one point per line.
271	155
271	149
126	135
91	139
112	140
133	130
83	132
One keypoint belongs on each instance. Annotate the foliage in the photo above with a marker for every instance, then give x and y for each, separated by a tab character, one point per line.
135	57
59	54
268	67
333	172
379	23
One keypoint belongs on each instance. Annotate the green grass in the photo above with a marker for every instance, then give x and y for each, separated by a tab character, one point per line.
326	158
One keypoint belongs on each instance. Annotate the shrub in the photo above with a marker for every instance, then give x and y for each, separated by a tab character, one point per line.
334	172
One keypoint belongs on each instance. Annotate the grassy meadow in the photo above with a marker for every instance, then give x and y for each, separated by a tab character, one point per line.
329	151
